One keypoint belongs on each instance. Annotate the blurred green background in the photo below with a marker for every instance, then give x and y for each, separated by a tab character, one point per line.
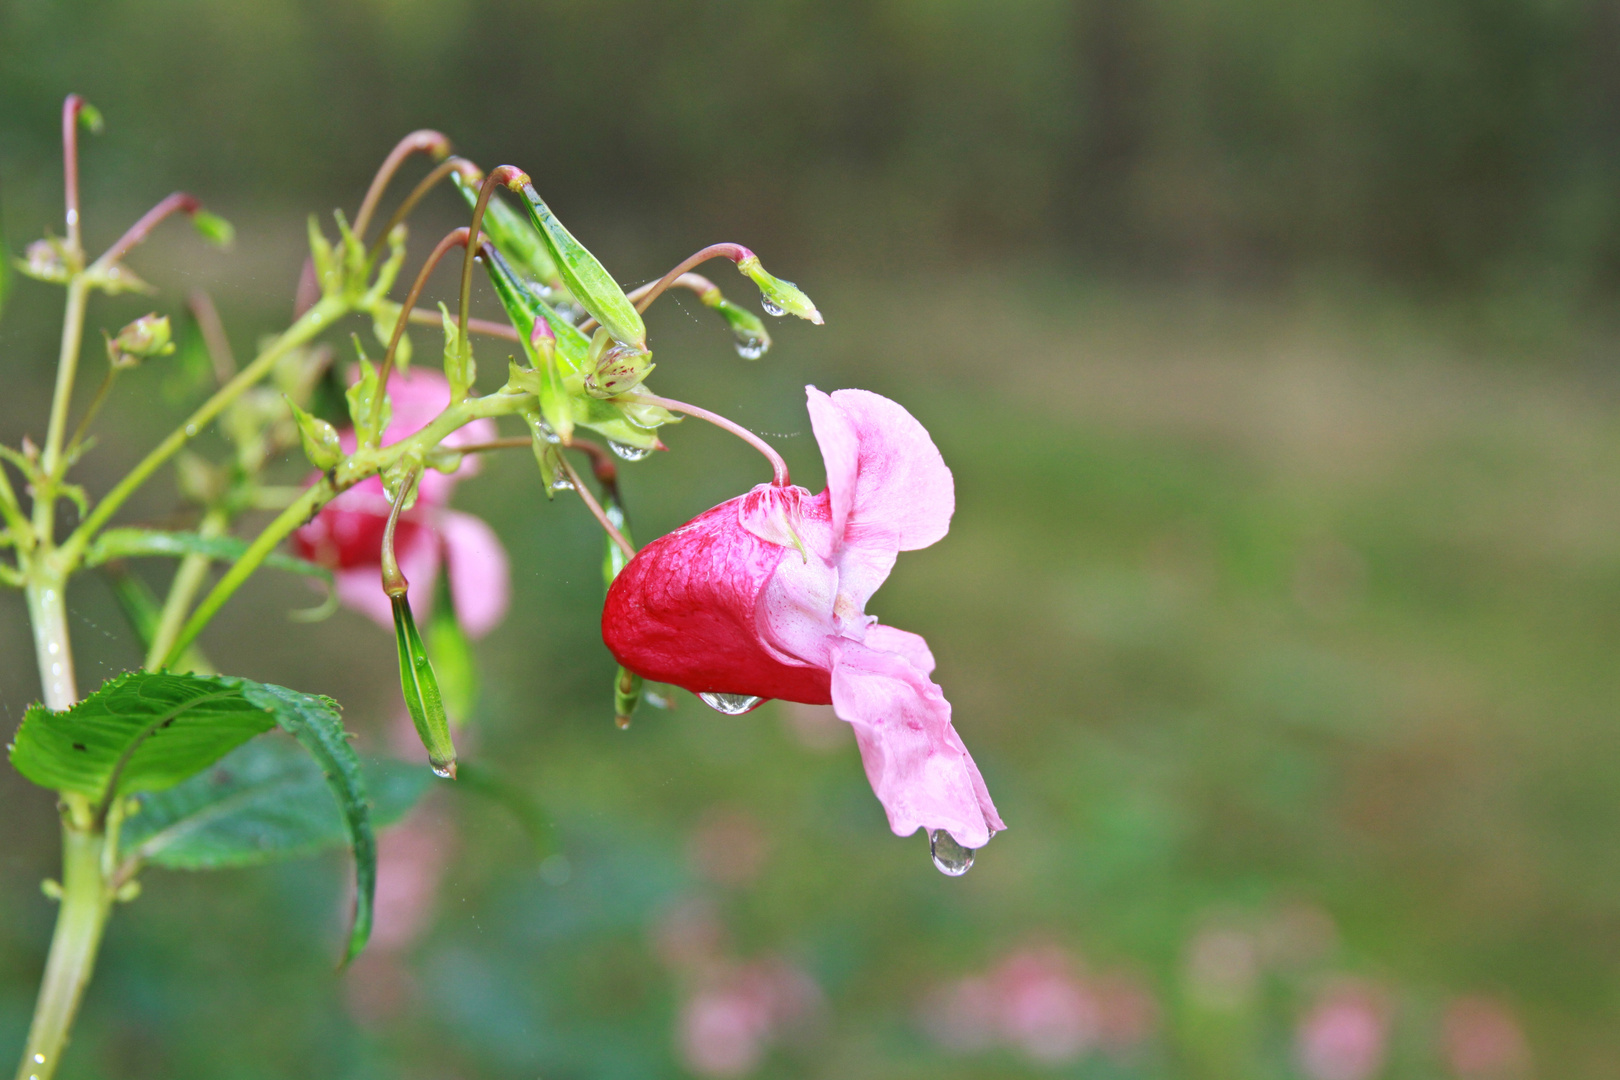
1272	347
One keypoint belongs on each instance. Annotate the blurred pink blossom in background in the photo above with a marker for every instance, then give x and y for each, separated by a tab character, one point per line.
1483	1040
1345	1035
731	1019
1037	1002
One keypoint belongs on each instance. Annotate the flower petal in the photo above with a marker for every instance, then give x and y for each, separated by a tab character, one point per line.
914	758
884	473
480	584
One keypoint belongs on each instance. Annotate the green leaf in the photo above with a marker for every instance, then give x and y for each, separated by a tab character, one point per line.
139	732
585	277
265	800
314	722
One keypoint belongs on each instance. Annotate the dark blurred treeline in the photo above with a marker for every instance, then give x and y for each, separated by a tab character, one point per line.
1437	142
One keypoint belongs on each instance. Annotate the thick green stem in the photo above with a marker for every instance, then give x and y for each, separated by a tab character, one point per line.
86	901
67	367
47	611
188	578
313	321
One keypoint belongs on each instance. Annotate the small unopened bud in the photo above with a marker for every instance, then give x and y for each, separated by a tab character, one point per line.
51	888
620	369
128	891
320	439
46	260
213	228
147	336
778	297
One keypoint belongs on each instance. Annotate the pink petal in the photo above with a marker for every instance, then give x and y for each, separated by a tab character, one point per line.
892	482
914	758
479	579
360	588
905	643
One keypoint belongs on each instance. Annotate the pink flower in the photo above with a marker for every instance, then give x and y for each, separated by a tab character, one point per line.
1345	1035
1046	1011
726	1027
1483	1040
347	534
764	596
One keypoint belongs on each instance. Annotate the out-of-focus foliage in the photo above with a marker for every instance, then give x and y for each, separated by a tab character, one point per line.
1444	140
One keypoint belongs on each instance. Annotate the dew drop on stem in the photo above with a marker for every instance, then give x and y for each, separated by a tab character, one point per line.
628	453
772	307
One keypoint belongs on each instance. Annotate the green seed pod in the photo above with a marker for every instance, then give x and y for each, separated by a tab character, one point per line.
421	690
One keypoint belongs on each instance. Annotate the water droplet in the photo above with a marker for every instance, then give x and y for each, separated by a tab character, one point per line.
752	348
562	483
950	858
731	704
622	722
191	431
629	453
772	307
445	772
39	1059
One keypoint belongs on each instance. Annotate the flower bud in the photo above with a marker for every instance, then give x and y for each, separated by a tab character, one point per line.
778	297
369	408
751	337
213	228
47	260
148	335
320	439
620	369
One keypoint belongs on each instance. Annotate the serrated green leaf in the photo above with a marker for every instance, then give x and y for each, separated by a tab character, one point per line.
265	800
315	723
140	732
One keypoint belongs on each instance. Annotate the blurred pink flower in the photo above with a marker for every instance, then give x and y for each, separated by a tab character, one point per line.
764	596
1345	1034
1127	1013
727	1026
1483	1040
1045	1009
347	534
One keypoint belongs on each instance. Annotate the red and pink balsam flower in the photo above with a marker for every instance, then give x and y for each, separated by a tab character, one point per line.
347	534
764	596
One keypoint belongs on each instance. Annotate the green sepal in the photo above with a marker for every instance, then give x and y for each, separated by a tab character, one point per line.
421	691
779	297
320	439
585	277
369	407
213	228
460	369
325	260
512	235
453	660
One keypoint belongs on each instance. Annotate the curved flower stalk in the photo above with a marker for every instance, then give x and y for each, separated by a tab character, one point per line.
347	534
764	597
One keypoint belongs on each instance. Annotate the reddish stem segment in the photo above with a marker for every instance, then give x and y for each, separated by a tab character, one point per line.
596	509
454	238
71	107
735	252
424	317
213	332
423	141
514	178
425	185
695	283
778	466
179	202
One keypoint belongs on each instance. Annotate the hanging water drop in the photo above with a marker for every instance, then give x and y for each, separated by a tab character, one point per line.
561	483
622	723
629	453
444	772
772	307
752	348
950	858
731	704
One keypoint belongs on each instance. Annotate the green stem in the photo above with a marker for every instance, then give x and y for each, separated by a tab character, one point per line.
67	366
278	530
188	578
47	611
86	902
313	321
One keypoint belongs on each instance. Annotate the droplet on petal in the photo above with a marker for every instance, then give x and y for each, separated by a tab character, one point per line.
950	858
731	704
